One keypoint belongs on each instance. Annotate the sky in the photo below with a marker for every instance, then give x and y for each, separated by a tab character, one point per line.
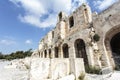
24	22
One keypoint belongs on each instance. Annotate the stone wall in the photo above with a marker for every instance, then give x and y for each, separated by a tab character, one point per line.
54	69
107	24
79	39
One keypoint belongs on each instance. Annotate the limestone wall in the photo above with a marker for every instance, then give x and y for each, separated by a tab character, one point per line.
54	69
107	24
84	26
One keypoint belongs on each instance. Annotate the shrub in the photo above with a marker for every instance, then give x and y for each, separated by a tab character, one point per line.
92	70
117	67
16	55
96	37
82	76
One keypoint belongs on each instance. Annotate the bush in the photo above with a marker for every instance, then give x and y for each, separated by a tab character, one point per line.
96	37
117	67
92	70
82	76
16	55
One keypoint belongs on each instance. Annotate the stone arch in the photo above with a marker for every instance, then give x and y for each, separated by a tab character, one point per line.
50	53
45	53
71	22
111	38
80	50
56	52
65	50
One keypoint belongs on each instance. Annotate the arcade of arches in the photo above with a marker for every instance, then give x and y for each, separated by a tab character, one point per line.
79	47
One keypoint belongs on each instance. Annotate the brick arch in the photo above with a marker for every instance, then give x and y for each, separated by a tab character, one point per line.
107	40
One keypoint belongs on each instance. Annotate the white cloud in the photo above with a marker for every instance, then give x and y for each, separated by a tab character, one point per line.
43	13
28	41
7	42
77	3
103	4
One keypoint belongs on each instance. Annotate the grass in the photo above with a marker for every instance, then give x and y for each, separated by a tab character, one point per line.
92	70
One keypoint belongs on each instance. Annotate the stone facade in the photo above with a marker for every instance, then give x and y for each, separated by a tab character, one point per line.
73	41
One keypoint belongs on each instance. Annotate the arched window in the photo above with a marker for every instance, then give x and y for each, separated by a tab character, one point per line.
80	50
65	50
50	53
45	54
71	21
60	16
56	52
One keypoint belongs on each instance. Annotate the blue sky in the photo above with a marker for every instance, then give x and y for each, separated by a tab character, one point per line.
24	22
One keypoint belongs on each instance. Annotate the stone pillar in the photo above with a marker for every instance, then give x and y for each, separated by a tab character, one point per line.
52	53
96	54
106	58
61	52
72	52
43	54
39	54
90	55
47	53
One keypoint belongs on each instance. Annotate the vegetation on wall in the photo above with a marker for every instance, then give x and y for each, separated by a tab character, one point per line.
16	55
117	67
82	76
96	37
92	70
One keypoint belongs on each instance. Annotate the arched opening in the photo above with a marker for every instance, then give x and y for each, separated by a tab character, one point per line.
45	54
50	53
65	50
111	43
71	21
60	16
41	54
115	48
56	52
80	50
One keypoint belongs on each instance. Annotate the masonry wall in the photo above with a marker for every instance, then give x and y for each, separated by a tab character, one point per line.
107	24
85	25
42	69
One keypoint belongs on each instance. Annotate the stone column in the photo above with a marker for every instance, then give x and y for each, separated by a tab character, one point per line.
96	54
47	53
52	53
61	52
90	55
72	52
43	54
39	54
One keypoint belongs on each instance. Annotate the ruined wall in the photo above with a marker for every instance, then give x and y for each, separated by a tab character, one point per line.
106	24
64	33
82	16
54	69
81	25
